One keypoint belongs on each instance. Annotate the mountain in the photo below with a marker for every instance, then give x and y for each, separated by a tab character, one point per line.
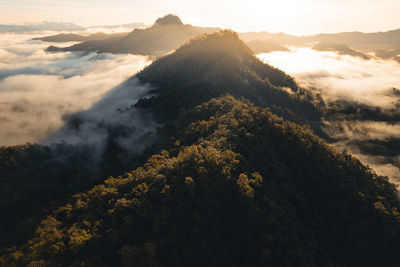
41	26
220	63
72	37
229	184
384	44
341	49
259	46
363	41
356	40
169	20
167	34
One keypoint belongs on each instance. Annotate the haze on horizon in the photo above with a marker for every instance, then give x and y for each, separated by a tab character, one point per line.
300	17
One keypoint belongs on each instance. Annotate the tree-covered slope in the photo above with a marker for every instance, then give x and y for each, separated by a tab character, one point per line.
235	186
35	179
211	65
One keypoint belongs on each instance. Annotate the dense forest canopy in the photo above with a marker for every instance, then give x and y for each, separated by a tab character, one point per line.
236	185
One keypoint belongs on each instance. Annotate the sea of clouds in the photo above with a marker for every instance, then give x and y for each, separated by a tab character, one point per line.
39	91
345	82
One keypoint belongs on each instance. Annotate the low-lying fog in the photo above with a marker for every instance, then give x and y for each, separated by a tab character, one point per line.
39	90
370	87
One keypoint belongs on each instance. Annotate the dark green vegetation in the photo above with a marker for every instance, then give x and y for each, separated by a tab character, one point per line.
33	178
231	184
167	34
36	178
235	186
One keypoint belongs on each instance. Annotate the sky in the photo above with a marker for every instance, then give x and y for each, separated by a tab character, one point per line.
298	17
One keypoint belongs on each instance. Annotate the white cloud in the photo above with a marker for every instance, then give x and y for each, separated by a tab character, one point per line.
339	76
352	80
38	89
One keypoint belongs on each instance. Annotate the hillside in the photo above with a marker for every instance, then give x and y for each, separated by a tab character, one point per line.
235	186
228	183
167	34
215	64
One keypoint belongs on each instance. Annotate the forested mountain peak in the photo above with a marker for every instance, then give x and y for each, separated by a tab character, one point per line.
211	65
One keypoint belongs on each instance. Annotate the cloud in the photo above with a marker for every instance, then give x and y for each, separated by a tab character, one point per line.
341	77
363	130
39	90
112	119
362	102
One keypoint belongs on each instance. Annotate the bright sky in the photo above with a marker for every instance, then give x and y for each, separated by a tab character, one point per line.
289	16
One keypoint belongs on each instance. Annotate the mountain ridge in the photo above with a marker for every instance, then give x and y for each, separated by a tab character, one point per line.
155	40
215	64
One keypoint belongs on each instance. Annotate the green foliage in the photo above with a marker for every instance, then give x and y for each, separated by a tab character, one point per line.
235	186
36	178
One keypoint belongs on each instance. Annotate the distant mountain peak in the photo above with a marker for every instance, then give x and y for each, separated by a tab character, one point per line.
169	19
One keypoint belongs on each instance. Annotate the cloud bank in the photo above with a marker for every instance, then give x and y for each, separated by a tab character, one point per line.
361	98
39	90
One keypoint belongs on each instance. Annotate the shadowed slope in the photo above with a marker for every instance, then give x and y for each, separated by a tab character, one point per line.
215	64
236	186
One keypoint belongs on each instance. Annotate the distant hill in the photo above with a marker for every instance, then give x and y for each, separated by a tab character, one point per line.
356	40
167	34
340	49
277	38
384	44
169	20
259	46
362	41
72	37
42	26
